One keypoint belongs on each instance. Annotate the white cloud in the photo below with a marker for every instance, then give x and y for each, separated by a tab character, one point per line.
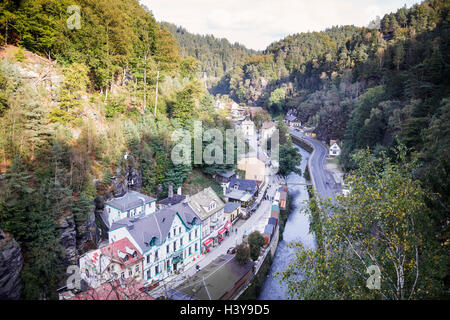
257	23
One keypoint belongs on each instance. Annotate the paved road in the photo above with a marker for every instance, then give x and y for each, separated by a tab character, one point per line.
323	179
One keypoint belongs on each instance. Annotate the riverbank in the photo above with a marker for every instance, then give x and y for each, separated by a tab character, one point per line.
296	229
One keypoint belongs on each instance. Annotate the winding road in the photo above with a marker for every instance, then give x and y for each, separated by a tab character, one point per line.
323	180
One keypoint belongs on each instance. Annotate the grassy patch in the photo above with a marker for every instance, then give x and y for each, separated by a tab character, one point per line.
197	181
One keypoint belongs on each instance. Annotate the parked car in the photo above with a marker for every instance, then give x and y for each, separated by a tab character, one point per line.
231	250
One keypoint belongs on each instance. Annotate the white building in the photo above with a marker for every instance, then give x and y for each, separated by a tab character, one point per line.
335	150
267	130
248	128
131	204
168	239
209	207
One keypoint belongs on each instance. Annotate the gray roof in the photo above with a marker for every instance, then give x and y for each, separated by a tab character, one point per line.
244	185
291	117
238	195
203	199
130	200
231	206
171	201
157	224
226	174
272	221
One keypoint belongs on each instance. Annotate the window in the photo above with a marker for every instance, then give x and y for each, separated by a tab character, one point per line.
149	274
123	275
130	272
190	250
167	248
196	233
156	254
137	268
156	269
181	242
174	231
190	236
195	247
179	230
112	267
168	236
175	246
87	273
148	259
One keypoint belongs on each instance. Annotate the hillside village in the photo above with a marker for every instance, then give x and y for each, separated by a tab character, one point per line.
149	241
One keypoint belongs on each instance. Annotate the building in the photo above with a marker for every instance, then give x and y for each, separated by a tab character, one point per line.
168	239
267	130
248	128
335	149
232	211
283	197
268	232
241	190
130	205
224	177
292	120
119	259
209	207
254	168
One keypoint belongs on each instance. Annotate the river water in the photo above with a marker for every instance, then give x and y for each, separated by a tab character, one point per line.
296	229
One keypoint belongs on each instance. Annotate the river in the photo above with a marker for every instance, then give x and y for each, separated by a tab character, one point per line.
296	229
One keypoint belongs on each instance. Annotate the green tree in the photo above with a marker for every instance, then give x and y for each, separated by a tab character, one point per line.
383	222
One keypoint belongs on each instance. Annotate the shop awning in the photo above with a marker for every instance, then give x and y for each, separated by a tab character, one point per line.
222	230
207	242
228	225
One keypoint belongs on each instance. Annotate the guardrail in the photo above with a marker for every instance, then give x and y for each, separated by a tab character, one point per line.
311	146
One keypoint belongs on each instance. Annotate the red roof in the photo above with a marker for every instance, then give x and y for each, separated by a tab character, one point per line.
131	290
125	247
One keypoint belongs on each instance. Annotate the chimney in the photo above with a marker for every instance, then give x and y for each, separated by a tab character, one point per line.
171	189
179	191
224	188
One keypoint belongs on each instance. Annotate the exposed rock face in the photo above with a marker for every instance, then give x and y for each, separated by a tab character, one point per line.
68	238
87	234
11	262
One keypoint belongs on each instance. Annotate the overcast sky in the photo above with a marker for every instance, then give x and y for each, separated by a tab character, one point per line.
257	23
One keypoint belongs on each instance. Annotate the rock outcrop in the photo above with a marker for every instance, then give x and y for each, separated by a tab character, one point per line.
68	237
11	262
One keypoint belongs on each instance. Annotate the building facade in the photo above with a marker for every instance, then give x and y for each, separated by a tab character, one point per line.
210	208
130	205
168	239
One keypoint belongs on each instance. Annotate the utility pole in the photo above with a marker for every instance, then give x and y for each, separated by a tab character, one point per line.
156	98
145	81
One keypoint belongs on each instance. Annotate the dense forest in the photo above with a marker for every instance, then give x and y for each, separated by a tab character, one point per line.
78	121
217	56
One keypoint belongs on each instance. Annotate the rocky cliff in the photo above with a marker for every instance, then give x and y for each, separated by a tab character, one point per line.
11	262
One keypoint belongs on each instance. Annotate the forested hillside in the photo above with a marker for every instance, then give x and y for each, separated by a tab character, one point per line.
77	123
217	56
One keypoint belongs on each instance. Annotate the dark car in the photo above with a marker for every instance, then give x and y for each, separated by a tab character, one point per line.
231	250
